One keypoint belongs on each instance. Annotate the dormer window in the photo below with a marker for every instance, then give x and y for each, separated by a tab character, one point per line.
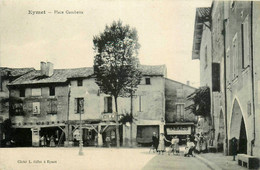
147	81
80	83
22	92
52	91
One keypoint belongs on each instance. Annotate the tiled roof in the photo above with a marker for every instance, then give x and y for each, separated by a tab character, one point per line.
59	76
62	75
202	16
14	72
203	12
153	70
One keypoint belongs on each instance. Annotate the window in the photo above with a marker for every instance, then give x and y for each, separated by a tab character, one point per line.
206	57
80	83
147	81
108	105
16	109
52	106
79	105
235	57
232	4
22	92
245	43
36	108
36	92
180	111
52	91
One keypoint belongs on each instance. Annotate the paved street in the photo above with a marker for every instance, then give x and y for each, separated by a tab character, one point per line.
93	158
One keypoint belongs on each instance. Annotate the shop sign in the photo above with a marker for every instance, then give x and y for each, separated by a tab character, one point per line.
179	130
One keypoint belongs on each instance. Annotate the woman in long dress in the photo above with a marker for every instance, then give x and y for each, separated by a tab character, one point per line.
52	143
161	146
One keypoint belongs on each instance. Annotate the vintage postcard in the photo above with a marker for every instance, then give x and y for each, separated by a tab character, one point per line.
121	84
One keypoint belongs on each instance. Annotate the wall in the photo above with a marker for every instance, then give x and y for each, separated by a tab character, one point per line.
256	59
171	98
4	108
61	95
93	101
240	87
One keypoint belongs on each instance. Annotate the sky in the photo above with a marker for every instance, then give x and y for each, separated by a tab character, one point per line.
165	29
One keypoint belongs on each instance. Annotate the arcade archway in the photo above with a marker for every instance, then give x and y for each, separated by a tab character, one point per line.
238	128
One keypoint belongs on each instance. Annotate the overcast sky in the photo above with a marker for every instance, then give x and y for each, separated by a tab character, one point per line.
165	30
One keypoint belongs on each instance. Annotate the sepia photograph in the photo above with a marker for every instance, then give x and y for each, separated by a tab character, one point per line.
129	85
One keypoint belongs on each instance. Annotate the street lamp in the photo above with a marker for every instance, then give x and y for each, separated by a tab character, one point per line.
80	128
81	107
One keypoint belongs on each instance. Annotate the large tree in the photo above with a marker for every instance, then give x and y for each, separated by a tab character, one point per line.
116	63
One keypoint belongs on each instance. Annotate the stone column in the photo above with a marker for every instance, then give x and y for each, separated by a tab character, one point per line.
35	136
100	140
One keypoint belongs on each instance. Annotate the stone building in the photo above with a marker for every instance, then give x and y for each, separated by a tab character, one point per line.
208	49
7	75
178	121
235	47
53	102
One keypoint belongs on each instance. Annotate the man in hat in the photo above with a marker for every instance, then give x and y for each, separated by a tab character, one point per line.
155	141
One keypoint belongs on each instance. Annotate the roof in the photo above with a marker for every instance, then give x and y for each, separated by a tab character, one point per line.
59	76
14	72
167	79
202	16
153	70
62	75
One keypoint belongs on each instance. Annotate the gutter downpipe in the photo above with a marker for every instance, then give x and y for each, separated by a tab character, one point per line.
253	80
225	80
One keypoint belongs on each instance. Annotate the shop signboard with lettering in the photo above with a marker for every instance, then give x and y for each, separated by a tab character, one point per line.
178	130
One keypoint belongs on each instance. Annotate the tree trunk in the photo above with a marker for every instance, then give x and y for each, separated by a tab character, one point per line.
117	126
131	123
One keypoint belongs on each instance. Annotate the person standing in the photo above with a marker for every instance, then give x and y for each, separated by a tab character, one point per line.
52	143
161	146
155	141
43	141
175	143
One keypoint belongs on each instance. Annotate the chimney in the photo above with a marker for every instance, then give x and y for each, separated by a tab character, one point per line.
43	68
188	83
49	69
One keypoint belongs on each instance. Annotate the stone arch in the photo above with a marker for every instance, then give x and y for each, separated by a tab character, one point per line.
238	128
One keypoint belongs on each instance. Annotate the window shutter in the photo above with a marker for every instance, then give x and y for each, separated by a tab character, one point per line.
105	105
75	105
82	105
110	110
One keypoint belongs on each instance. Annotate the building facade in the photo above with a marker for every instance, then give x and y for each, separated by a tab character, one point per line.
55	102
178	121
7	75
234	49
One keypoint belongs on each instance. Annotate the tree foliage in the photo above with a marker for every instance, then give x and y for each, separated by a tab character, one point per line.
116	63
127	118
201	102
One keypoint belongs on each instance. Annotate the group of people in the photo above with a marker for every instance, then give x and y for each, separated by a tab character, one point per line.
47	141
201	143
158	144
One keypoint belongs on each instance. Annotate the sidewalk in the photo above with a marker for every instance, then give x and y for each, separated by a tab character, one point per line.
218	161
